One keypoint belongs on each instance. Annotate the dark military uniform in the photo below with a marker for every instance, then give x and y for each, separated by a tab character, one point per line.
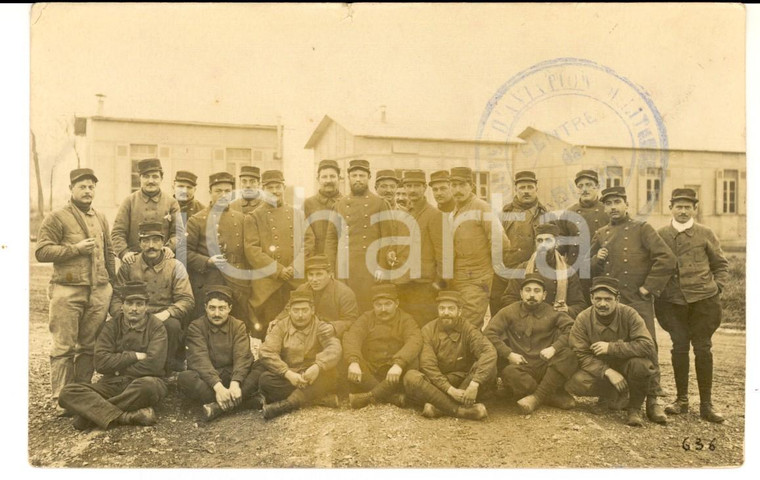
138	208
245	205
317	203
595	218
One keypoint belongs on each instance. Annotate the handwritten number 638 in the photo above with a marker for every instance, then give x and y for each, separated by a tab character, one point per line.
698	445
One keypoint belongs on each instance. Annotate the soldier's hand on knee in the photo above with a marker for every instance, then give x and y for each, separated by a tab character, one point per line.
394	374
456	393
294	378
470	394
616	379
600	348
354	373
311	374
516	359
547	353
235	393
223	396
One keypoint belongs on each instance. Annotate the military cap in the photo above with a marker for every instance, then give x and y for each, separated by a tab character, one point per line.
220	177
301	295
449	296
613	192
250	171
272	176
591	174
185	176
412	176
526	176
684	194
358	163
149	165
387	175
533	278
328	164
317	262
82	173
547	228
462	174
384	290
611	284
150	229
134	290
222	290
439	176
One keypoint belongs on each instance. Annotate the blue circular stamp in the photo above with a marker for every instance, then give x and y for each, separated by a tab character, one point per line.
572	100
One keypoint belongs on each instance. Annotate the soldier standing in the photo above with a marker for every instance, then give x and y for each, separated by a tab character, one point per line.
184	192
632	252
250	196
328	176
689	308
440	185
386	185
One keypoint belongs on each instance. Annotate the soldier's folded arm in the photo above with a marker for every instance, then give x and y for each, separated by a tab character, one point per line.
564	325
353	340
409	352
198	358
331	349
108	359
270	351
429	364
49	246
153	365
496	325
484	368
639	345
581	345
182	293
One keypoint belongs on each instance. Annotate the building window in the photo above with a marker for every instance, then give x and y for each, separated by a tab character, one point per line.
654	184
481	184
139	152
614	177
730	179
236	158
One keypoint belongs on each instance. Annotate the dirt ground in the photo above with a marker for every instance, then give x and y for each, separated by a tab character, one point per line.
386	436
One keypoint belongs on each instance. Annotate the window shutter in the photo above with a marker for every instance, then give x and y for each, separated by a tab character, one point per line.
719	192
741	197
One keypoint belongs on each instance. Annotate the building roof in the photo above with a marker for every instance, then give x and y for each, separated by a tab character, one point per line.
182	122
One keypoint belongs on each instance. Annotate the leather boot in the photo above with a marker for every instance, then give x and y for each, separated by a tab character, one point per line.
680	405
429	411
634	418
561	399
211	411
81	423
398	399
707	412
529	404
655	412
681	373
293	402
144	416
360	400
476	412
329	401
256	402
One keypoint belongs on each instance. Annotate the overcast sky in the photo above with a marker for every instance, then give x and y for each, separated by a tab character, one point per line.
427	63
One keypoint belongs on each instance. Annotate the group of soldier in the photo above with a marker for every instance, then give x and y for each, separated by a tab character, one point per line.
254	303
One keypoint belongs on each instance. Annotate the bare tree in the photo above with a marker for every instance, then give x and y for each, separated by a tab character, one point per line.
40	195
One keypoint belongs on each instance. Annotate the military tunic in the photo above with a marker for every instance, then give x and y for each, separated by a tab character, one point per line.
138	208
335	304
316	203
245	205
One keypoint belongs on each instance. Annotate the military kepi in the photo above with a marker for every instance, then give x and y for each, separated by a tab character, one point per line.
80	174
328	164
526	176
461	174
684	194
185	176
413	176
449	296
299	295
610	284
547	228
222	290
317	262
590	174
532	278
250	171
439	176
613	192
358	163
150	229
387	175
272	176
220	177
149	165
384	290
134	290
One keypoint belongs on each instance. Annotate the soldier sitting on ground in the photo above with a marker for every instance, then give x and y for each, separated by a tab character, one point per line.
219	359
457	364
130	353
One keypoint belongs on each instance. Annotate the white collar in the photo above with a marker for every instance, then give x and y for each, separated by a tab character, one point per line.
682	227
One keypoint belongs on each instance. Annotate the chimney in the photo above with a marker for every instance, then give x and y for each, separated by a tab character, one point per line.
382	113
101	101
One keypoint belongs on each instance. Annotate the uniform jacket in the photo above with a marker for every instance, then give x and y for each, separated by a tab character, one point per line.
246	206
627	334
138	208
595	218
447	207
288	348
517	329
168	286
637	257
472	240
318	229
463	349
118	342
274	237
430	222
380	344
188	209
59	232
701	269
521	233
211	349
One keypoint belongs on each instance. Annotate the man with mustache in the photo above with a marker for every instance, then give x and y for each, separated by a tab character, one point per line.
615	352
216	249
379	347
323	202
250	197
219	359
131	355
473	224
440	186
298	359
170	296
563	288
357	234
457	364
184	192
274	240
531	341
148	204
525	213
76	240
632	252
590	211
386	185
690	308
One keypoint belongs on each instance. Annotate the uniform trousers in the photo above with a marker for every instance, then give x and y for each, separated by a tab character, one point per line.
475	293
420	390
103	402
418	300
645	308
538	377
375	382
175	339
638	372
191	385
76	315
276	387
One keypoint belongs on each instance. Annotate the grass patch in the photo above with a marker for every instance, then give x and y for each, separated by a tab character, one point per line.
734	297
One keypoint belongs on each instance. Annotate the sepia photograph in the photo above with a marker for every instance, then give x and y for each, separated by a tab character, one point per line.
387	236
